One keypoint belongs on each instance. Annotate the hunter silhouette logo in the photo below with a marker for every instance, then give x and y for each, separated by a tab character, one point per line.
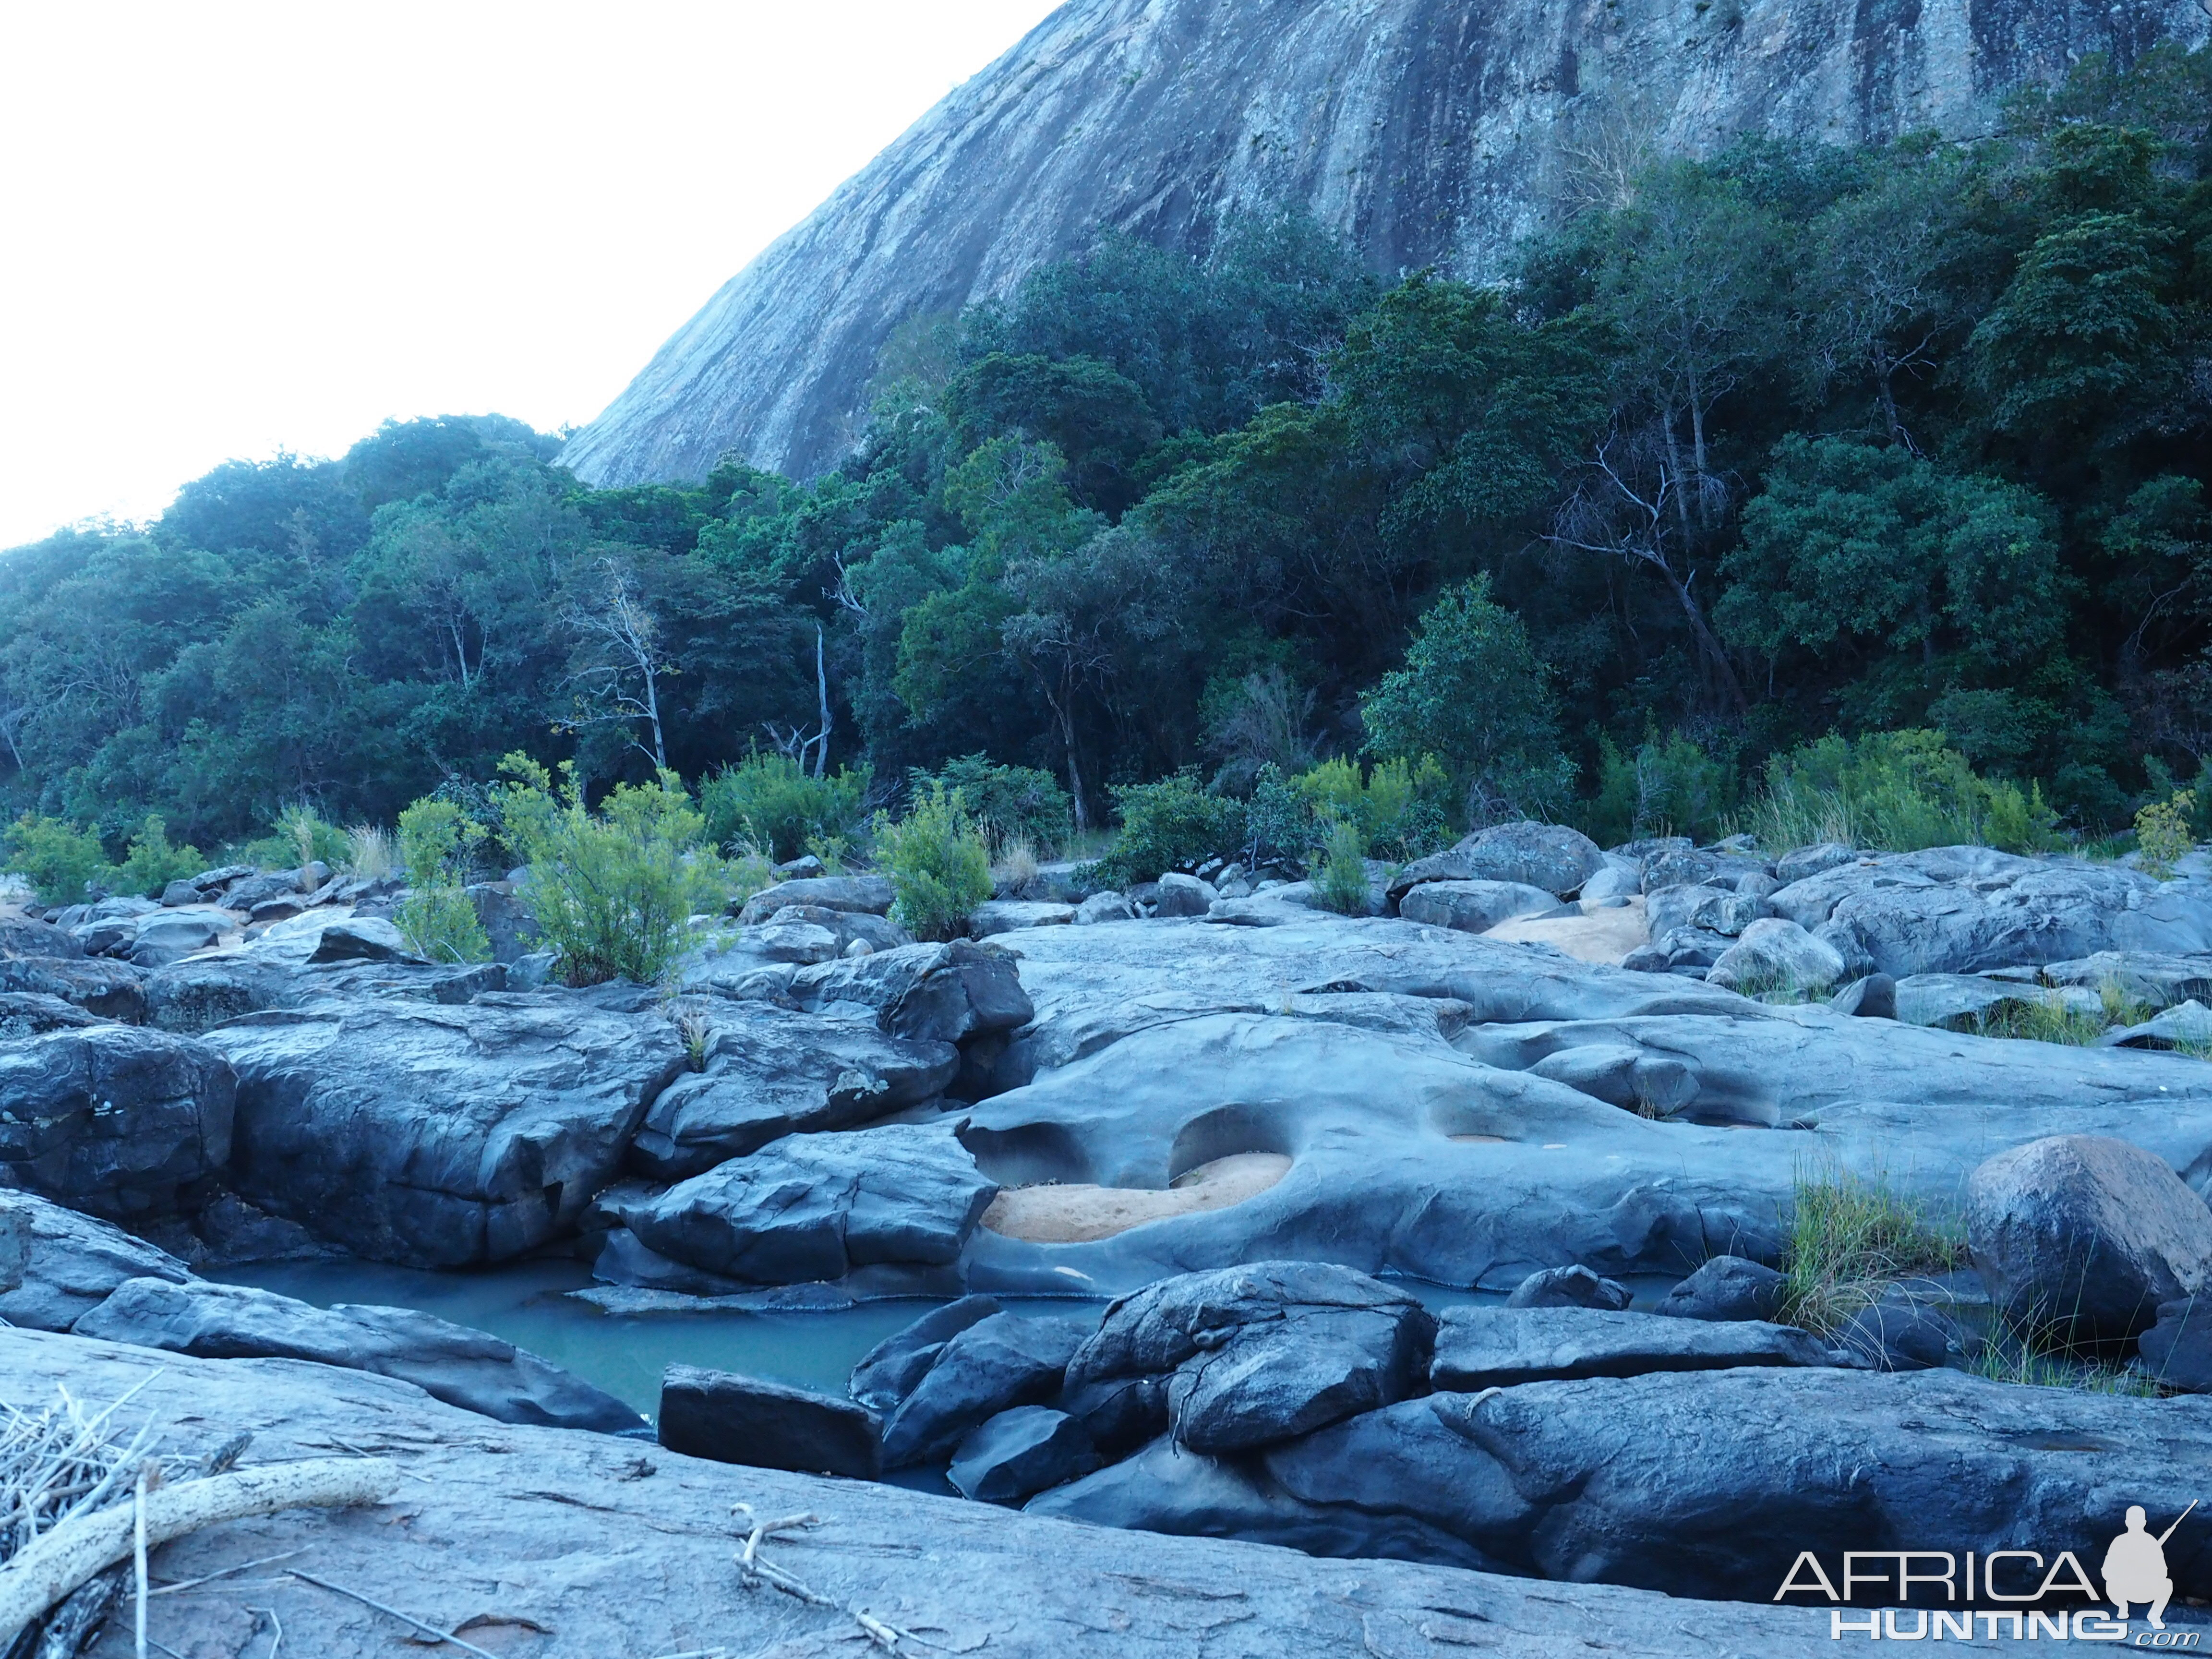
2135	1567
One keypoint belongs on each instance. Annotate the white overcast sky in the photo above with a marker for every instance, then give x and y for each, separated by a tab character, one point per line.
228	228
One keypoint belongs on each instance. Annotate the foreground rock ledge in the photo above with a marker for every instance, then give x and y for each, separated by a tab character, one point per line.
545	1544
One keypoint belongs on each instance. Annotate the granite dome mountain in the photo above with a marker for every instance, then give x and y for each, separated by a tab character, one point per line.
1428	132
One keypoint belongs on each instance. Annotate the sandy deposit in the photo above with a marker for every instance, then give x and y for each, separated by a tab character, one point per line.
1077	1214
1603	937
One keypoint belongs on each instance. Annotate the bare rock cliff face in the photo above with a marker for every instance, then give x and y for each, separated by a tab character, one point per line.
1427	131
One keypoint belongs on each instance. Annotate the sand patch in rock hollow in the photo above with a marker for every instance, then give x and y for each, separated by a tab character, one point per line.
1079	1214
1602	936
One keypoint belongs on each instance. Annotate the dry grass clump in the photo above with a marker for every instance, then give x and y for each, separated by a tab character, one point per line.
1850	1238
370	852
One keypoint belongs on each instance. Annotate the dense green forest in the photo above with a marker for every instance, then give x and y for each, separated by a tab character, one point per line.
1797	442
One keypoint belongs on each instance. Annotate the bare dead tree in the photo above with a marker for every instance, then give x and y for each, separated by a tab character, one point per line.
796	741
1629	506
622	662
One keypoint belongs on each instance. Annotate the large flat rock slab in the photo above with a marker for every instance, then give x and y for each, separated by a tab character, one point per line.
563	1546
442	1137
1501	1347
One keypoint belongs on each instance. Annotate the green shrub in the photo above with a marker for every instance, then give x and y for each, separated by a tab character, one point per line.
768	803
62	863
153	864
438	843
938	864
1659	788
1167	824
1342	885
2164	831
1898	791
613	890
1850	1238
1474	695
1010	803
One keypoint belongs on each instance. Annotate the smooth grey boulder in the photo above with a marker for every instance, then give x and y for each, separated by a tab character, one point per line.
436	1136
993	1365
1109	906
1727	1287
625	1549
362	939
728	1419
1705	1483
172	935
116	1120
2086	1237
1902	1331
1690	951
256	890
1966	1002
2176	1353
1020	1453
1576	1287
1501	1347
56	1265
470	1369
30	1013
1473	907
1546	856
1011	915
1262	1353
2186	1026
813	1207
1703	908
206	885
931	993
868	895
887	1373
102	987
765	1072
1873	996
27	936
1624	1075
1177	894
2152	979
1621	879
1774	955
1806	862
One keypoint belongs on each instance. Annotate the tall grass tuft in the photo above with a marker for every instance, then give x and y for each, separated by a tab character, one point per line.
1850	1238
368	853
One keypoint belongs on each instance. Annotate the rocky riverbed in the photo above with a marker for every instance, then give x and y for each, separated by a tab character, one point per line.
1241	1127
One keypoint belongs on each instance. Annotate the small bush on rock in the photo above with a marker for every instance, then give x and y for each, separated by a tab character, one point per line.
62	862
1342	883
1849	1239
1167	825
1009	803
612	890
938	864
2164	831
153	864
768	803
437	918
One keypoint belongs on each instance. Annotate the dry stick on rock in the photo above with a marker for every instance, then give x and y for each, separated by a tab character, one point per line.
87	1544
435	1635
753	1571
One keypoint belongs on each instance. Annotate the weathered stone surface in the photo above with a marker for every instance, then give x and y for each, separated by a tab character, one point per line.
27	1013
812	1208
362	939
111	990
887	1373
1624	1075
1903	1330
56	1265
869	894
441	1136
2176	1353
115	1120
993	1365
172	935
25	936
1500	1347
218	987
1262	1353
1775	955
1020	1453
766	1073
1576	1287
1965	1002
1704	1483
931	993
2148	978
2087	1235
1473	907
1728	1287
506	921
2189	1025
728	1419
1704	907
1873	996
1009	915
1104	907
462	1367
1549	856
1177	894
628	1549
1809	861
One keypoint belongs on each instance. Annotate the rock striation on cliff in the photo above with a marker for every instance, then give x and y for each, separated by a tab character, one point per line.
1428	132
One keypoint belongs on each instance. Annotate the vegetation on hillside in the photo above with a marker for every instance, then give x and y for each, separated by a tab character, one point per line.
1820	490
